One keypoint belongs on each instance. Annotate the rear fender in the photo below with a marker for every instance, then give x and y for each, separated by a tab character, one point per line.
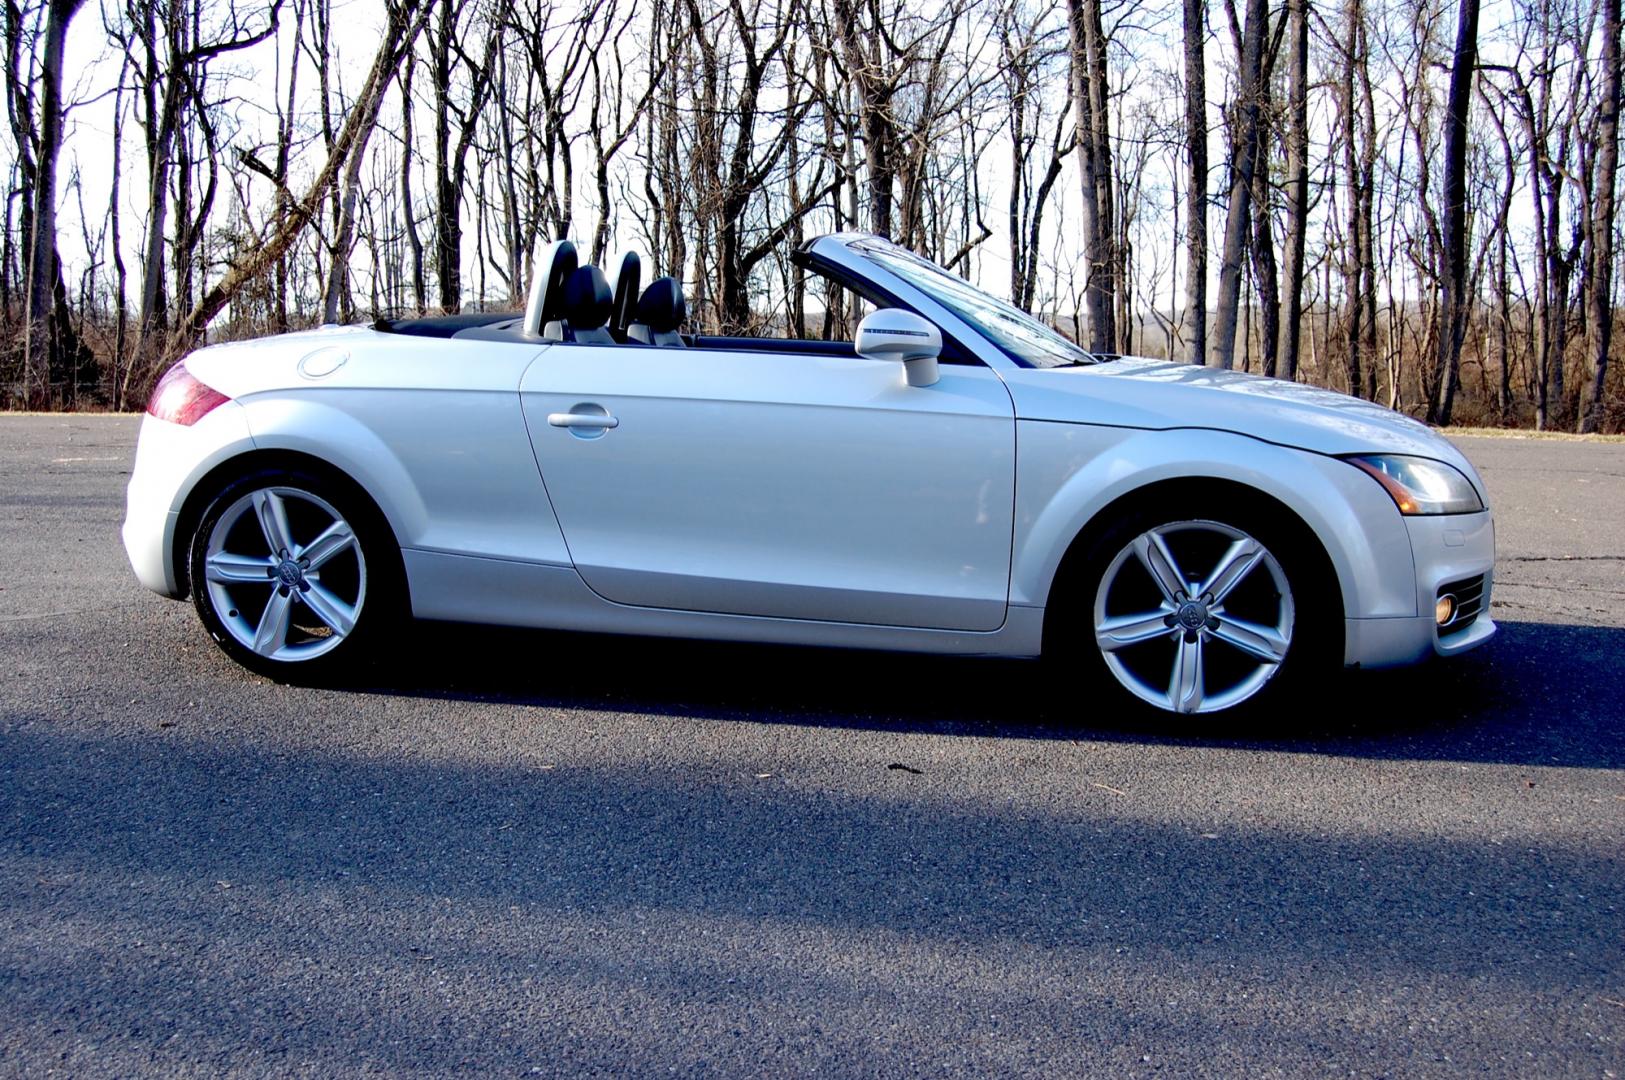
334	436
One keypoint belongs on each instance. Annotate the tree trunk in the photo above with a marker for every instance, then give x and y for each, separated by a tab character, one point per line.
1452	315
1557	298
1503	328
1601	286
41	350
1196	191
1352	246
161	120
1297	178
1087	48
448	224
420	283
121	314
1265	274
1243	161
338	275
861	45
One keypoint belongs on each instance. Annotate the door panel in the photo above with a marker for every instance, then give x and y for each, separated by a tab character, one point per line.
808	487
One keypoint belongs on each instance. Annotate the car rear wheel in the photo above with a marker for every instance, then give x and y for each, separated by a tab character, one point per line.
1198	612
289	575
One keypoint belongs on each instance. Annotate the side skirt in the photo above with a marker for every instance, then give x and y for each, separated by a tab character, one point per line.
462	588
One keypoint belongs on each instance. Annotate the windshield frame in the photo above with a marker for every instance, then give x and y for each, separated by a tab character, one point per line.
1024	339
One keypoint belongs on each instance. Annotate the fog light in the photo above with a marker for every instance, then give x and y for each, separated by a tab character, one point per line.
1445	609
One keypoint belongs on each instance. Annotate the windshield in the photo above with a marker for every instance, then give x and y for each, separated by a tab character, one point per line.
1024	338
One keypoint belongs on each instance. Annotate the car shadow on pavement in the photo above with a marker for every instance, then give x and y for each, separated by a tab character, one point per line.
1537	694
182	896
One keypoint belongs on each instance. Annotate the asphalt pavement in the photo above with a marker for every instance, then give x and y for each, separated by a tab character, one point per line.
543	854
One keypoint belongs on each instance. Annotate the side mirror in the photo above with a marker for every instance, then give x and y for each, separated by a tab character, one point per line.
894	334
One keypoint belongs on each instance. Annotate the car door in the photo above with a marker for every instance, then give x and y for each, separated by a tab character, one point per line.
779	484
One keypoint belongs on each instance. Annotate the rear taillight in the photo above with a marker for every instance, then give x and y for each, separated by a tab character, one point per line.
181	398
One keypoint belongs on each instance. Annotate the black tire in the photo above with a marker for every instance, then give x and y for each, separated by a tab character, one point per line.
1129	676
337	610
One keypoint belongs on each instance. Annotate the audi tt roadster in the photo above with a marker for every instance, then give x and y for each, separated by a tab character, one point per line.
958	478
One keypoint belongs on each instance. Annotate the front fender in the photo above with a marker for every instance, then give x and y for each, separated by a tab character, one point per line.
1068	473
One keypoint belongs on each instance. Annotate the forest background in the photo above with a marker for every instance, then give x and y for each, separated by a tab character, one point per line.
1411	202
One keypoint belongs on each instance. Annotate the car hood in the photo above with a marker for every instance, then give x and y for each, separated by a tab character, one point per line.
1142	393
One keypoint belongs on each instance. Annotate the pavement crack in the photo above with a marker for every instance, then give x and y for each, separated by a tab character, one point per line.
34	616
1562	558
1589	590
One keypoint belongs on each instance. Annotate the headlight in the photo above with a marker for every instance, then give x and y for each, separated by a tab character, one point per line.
1421	485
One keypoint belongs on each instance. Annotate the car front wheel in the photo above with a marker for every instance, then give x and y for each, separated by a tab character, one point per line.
288	575
1199	613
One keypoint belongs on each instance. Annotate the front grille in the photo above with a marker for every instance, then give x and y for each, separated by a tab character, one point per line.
1469	594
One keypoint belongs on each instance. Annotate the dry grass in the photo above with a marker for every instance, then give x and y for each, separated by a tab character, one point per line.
1521	433
65	414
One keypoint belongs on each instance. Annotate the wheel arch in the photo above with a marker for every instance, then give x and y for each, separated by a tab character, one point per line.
1326	582
234	468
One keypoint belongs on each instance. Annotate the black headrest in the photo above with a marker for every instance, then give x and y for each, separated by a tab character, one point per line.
564	264
626	291
662	307
587	299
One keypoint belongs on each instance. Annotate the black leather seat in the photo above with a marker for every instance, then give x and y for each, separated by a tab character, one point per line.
661	310
585	309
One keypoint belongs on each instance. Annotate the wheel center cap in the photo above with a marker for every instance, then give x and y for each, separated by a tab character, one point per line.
1192	615
289	573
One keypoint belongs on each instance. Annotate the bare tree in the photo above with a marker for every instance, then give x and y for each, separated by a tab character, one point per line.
1600	289
1195	35
1297	180
1244	154
1089	94
906	82
173	49
47	339
409	223
456	123
1453	304
1357	135
404	23
1029	53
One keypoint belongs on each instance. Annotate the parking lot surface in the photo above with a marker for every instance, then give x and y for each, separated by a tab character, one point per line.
526	853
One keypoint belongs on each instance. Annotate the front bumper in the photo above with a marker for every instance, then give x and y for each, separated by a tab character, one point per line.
1445	549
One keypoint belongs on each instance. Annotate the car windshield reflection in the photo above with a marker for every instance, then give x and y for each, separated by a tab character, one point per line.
1025	339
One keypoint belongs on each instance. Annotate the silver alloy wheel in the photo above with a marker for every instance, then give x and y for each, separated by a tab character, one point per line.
285	574
1191	614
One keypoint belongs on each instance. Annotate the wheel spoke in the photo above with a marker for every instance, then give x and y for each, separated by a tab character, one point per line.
273	518
1124	630
329	608
1237	562
1154	554
272	633
1185	687
1263	643
231	569
335	538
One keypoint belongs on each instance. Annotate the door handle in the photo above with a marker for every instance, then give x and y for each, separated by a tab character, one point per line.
599	421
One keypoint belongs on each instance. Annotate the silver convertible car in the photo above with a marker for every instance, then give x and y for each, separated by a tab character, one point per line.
960	478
